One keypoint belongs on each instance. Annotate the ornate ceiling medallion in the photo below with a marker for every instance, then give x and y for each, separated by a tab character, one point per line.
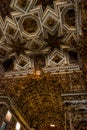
29	26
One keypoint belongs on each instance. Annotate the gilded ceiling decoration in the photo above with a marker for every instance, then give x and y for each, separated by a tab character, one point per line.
41	105
41	49
30	25
44	107
36	28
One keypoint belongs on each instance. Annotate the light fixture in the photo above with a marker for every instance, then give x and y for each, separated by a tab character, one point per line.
8	116
52	125
18	126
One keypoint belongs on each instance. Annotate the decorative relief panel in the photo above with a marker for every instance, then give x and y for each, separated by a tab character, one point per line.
29	26
56	58
10	28
22	63
34	36
50	20
41	30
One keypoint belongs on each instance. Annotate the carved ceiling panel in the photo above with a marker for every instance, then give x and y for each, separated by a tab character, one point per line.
37	27
56	58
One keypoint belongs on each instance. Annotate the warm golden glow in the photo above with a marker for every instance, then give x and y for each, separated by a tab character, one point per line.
52	125
8	116
38	73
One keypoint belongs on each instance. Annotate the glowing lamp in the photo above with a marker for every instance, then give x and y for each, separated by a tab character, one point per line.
8	116
18	126
51	125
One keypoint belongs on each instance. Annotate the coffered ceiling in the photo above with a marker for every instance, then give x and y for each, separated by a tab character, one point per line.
30	28
36	39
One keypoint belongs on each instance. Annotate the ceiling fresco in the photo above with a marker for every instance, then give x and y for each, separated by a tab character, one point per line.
30	28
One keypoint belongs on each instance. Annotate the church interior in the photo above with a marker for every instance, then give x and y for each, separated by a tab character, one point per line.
43	64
